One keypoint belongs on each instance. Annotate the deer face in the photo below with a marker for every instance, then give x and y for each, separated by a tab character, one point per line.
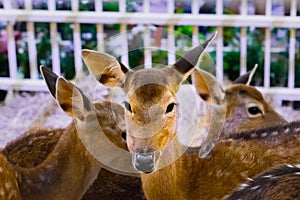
246	109
150	104
150	115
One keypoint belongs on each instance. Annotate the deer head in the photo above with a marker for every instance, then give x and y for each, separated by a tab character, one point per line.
150	102
246	109
100	125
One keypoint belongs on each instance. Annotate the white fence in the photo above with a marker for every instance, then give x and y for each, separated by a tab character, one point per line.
10	15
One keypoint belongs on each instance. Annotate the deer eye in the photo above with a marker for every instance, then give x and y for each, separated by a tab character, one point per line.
170	107
254	110
127	106
123	135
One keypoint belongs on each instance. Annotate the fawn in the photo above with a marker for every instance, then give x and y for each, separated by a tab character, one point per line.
9	189
151	130
280	182
55	164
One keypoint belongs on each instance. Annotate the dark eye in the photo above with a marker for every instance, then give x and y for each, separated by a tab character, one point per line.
127	106
123	135
254	110
170	107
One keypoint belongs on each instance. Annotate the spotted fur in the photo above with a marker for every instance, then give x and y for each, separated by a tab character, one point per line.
278	183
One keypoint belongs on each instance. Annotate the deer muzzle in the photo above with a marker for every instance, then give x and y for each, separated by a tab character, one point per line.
144	162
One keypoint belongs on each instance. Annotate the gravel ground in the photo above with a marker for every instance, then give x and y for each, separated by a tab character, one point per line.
23	110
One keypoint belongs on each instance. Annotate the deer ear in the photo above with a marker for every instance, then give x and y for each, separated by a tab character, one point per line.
50	79
105	68
189	60
246	78
71	100
207	86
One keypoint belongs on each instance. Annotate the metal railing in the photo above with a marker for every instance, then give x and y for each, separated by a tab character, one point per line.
169	19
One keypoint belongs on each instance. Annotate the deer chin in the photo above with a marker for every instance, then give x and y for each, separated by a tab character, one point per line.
146	162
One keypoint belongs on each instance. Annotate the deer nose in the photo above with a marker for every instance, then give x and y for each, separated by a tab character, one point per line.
144	162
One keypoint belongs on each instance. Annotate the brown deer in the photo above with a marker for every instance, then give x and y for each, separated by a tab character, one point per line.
171	171
245	107
278	183
209	89
56	164
9	189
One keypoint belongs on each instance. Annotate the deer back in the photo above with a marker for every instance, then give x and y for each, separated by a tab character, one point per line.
232	161
280	182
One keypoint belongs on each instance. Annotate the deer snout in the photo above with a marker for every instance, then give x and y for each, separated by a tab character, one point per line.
145	162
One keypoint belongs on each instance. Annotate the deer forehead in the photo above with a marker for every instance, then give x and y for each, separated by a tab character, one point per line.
167	77
242	91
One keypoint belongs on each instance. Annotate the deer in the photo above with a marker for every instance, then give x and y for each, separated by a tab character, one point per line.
260	112
56	164
280	182
9	188
168	169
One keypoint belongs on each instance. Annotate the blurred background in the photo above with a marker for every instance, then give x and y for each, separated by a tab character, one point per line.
52	33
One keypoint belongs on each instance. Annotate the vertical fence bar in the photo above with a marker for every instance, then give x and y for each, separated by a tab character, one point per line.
146	6
243	40
219	56
123	30
171	45
54	41
76	38
171	36
292	47
11	44
171	7
147	37
195	10
147	48
31	44
267	53
99	27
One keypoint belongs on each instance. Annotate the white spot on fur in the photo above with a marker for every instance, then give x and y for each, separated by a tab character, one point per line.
297	165
253	135
255	187
249	179
264	134
274	133
286	130
290	166
243	186
268	176
7	185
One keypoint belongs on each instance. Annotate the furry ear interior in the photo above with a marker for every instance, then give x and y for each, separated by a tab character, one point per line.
189	60
207	86
246	78
50	79
71	100
105	68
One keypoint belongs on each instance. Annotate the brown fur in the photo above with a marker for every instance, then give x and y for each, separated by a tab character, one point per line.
9	189
54	164
232	161
279	183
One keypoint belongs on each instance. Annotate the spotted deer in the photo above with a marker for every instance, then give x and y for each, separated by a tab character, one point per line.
245	107
55	164
9	188
169	170
277	183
